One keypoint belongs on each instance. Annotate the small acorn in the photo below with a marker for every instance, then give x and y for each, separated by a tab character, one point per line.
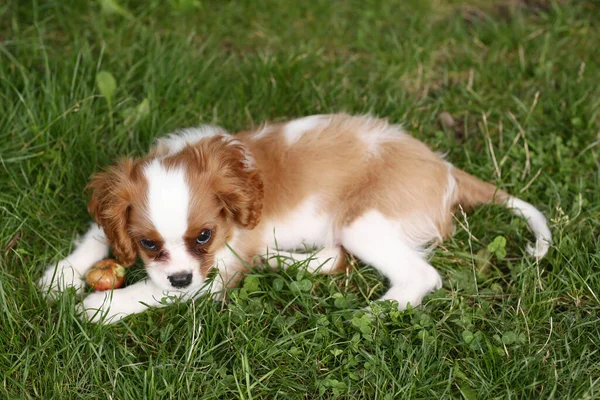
105	275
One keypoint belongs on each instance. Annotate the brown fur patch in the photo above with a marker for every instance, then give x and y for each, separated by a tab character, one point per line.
113	194
402	177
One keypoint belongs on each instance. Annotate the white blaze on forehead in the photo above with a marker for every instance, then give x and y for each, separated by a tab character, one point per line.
168	199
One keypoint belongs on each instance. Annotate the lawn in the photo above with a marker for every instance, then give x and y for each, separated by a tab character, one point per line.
521	82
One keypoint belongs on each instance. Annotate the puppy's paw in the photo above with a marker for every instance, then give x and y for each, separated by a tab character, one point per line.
98	307
58	278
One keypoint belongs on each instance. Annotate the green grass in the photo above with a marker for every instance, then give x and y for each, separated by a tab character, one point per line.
510	328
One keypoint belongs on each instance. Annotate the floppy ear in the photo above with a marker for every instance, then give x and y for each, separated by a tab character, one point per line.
239	186
111	195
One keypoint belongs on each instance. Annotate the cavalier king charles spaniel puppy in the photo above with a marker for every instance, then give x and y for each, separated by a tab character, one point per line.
204	203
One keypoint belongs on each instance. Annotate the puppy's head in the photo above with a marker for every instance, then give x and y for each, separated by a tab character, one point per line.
177	210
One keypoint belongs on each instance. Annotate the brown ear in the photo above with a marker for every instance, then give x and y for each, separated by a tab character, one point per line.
239	186
111	195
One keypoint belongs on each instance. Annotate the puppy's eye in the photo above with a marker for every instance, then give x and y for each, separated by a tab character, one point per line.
149	244
204	236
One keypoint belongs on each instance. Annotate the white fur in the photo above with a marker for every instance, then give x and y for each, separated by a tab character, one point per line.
224	259
294	130
451	189
303	227
168	199
418	231
376	240
168	202
536	222
112	306
323	261
377	134
450	196
175	142
70	271
262	132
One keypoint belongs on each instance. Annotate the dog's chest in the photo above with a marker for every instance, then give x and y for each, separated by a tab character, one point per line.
307	226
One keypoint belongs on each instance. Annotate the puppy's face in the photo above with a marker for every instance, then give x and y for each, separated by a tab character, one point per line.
177	211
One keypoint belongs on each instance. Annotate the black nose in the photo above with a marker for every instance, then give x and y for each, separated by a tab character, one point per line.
180	280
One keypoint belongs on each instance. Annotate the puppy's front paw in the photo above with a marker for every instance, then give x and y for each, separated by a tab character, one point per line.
58	278
98	307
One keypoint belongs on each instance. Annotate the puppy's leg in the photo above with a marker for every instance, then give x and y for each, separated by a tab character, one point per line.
91	248
377	241
326	261
112	306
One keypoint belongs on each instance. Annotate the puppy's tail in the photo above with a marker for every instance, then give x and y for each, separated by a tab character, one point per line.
473	192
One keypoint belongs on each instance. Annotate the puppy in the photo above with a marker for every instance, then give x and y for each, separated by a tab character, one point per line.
204	200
